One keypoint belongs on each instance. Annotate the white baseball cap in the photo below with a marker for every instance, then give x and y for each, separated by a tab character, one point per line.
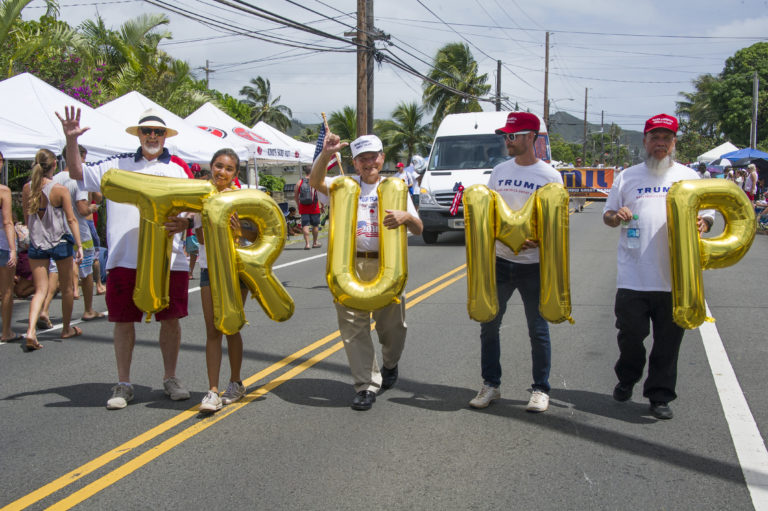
366	144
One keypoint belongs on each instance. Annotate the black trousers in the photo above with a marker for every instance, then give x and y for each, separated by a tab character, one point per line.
635	310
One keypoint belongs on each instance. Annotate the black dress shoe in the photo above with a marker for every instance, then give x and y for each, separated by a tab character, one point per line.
363	400
622	392
661	410
388	377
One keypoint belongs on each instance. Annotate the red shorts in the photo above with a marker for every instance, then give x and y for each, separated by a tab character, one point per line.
119	297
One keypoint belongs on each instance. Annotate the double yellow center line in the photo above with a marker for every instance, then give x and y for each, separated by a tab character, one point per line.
414	297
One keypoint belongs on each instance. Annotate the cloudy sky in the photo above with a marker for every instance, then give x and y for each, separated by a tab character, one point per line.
633	57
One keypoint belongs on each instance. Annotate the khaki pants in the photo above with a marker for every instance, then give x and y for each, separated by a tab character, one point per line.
355	329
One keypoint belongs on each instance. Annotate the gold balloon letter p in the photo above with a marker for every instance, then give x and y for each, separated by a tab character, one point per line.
543	218
689	254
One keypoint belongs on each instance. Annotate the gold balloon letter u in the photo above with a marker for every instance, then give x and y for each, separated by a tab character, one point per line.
345	285
543	218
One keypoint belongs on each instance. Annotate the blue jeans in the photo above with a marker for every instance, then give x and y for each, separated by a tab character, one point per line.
524	278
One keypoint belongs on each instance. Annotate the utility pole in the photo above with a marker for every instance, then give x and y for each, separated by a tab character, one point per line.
207	70
753	130
602	134
364	86
498	86
584	147
546	81
365	37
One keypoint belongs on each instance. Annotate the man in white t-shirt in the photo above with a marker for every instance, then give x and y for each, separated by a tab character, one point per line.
355	325
516	180
151	158
644	293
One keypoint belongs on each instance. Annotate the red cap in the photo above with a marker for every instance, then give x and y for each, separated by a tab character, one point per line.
520	121
663	121
399	165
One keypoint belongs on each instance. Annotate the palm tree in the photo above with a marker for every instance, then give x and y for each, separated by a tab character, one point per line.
10	15
454	67
405	134
134	62
263	107
344	124
697	109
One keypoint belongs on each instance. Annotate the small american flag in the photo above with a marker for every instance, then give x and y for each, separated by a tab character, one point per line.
319	147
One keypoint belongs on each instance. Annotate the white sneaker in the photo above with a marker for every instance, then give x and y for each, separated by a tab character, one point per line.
485	396
121	396
539	401
235	391
174	389
211	402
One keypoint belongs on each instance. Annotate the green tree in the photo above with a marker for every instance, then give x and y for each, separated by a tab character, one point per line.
258	96
731	95
562	150
309	134
454	67
405	135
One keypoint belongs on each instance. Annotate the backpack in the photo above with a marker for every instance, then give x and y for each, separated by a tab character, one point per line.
306	193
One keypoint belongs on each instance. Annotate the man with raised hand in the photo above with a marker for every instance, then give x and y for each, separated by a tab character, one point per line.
355	325
151	158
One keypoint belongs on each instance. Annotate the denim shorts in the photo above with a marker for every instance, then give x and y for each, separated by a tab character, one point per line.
205	280
4	256
61	251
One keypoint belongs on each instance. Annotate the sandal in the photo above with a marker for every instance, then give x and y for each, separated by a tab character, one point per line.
33	346
44	323
78	332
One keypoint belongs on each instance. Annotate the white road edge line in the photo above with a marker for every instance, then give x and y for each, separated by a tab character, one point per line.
749	445
191	290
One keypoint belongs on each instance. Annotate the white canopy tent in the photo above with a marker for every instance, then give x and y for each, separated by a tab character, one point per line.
267	145
301	152
28	122
717	152
191	144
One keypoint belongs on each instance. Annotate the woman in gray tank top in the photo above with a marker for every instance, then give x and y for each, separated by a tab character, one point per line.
53	229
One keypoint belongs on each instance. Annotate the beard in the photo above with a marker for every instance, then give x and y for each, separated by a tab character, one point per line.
657	167
152	149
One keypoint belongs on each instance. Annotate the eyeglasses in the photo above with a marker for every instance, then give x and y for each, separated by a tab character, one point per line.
160	132
511	136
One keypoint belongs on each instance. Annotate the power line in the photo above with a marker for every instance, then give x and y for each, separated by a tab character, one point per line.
582	32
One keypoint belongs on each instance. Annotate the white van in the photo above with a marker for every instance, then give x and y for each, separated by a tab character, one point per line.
465	150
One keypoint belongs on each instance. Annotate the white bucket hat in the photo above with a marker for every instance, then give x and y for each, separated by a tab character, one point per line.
151	119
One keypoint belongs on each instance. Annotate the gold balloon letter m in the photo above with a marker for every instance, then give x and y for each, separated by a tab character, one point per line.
543	218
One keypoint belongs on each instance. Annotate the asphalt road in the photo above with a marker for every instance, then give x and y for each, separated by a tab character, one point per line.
294	443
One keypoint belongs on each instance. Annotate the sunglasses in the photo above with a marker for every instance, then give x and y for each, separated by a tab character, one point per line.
511	136
160	132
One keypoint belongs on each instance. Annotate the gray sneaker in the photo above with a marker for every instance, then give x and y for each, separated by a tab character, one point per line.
174	389
485	396
235	391
121	396
211	403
